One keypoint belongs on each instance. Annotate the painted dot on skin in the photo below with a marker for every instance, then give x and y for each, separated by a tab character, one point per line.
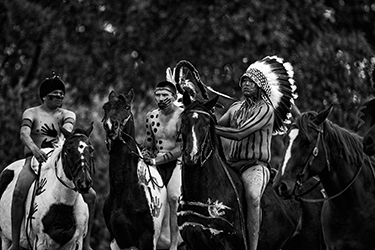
149	139
152	116
148	133
153	123
160	142
37	130
158	124
157	116
147	120
161	148
155	130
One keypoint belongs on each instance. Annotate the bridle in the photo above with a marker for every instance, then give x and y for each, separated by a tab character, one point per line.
119	136
199	204
206	141
314	153
79	164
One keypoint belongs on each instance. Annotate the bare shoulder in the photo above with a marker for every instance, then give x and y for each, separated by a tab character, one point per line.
152	114
68	113
30	112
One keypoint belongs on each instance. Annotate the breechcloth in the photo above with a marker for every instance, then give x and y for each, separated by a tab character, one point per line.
243	165
166	171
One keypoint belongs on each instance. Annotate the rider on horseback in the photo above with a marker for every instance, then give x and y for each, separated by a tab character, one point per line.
249	124
41	129
162	147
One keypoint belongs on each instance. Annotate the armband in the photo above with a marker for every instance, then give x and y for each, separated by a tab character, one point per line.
68	120
153	161
26	122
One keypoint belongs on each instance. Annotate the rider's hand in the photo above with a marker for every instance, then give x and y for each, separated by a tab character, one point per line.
40	155
149	160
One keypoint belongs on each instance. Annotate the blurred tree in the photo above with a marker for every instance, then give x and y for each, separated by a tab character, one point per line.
97	46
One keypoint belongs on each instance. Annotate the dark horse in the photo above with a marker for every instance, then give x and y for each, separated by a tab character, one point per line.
316	146
136	204
211	212
366	126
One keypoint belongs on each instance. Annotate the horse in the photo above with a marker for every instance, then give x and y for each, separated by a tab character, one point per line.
317	146
56	216
366	126
211	212
136	211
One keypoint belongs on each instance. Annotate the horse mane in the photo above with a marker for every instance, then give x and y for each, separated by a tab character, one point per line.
348	143
213	122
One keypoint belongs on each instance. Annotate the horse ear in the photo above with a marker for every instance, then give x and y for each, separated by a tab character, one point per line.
130	95
65	132
211	103
186	100
112	95
89	130
322	116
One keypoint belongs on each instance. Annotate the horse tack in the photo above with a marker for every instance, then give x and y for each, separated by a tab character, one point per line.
349	184
136	204
195	205
50	210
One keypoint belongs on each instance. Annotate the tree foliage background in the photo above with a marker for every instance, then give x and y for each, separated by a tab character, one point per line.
98	45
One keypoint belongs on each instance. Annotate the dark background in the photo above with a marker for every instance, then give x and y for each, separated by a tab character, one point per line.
99	46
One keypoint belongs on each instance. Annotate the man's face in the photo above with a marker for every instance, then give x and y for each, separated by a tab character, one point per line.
249	87
55	98
164	98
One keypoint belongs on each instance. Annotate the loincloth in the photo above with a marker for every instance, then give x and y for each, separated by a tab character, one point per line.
166	171
243	165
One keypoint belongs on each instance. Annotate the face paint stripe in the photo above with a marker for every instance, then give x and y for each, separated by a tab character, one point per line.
288	154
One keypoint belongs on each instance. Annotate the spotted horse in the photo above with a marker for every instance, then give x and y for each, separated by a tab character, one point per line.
56	216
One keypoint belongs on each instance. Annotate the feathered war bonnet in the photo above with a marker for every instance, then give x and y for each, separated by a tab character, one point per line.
275	78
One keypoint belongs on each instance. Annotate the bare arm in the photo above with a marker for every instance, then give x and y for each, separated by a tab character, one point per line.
254	123
25	135
69	120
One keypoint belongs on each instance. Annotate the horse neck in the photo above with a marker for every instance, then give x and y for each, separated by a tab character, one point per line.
340	171
123	159
53	181
199	181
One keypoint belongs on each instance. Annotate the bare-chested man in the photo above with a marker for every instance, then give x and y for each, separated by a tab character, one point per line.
162	147
40	129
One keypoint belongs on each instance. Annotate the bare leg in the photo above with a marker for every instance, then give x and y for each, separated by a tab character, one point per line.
255	180
90	199
24	181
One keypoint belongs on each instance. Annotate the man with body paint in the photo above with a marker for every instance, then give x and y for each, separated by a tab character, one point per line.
249	125
162	148
40	128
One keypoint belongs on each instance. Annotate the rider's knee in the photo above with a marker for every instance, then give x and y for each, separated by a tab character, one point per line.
253	199
90	197
173	199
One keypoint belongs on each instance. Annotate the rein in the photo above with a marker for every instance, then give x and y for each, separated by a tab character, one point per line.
242	219
308	164
119	136
64	161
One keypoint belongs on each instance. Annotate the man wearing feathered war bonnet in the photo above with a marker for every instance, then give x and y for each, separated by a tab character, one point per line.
267	87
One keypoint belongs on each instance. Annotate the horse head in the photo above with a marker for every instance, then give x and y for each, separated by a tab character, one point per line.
197	128
302	158
117	114
78	158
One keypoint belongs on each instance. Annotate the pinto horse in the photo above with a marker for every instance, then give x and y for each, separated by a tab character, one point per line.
136	205
212	207
56	215
316	146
